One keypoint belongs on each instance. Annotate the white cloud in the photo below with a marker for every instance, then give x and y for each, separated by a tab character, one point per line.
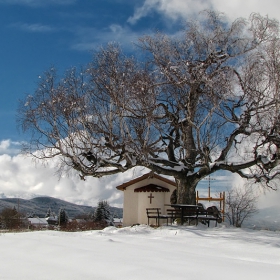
34	27
4	144
20	177
239	8
267	197
183	9
9	147
174	9
143	11
91	38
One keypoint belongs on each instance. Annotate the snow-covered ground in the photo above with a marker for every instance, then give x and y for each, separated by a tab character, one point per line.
141	252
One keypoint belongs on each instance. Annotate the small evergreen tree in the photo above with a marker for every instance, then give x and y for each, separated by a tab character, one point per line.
62	217
30	215
49	213
9	218
103	213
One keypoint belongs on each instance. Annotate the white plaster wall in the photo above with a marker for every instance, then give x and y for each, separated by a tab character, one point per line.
130	207
144	202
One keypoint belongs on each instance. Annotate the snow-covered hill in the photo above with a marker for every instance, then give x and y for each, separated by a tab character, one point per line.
40	205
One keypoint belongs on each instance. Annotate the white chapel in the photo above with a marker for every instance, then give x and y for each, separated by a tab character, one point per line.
147	191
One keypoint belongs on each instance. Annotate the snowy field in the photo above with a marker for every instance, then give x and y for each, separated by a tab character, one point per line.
142	252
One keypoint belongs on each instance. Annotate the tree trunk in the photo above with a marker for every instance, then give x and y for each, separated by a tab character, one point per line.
186	190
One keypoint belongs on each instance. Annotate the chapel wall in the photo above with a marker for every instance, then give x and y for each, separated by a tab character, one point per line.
135	203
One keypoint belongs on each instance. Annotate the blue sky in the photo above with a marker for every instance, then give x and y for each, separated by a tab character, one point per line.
38	34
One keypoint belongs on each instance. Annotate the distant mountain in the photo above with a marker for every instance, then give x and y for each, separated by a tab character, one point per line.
40	205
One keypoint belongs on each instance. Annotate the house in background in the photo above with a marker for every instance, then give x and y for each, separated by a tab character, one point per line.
147	191
52	220
118	222
37	222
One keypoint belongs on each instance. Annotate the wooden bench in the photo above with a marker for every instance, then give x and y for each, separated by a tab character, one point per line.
196	213
206	215
155	213
210	214
173	214
191	214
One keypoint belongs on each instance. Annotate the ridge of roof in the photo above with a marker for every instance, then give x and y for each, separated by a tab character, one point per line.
123	186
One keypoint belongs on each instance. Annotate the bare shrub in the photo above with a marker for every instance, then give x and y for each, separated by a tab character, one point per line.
240	204
83	225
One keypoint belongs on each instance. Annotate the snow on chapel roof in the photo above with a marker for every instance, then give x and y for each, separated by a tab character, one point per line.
123	186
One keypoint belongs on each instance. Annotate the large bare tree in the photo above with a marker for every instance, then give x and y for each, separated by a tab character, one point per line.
203	100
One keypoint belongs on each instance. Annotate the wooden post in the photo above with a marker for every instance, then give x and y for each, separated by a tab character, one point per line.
224	205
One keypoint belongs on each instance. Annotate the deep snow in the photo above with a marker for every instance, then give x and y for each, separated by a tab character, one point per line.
141	252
